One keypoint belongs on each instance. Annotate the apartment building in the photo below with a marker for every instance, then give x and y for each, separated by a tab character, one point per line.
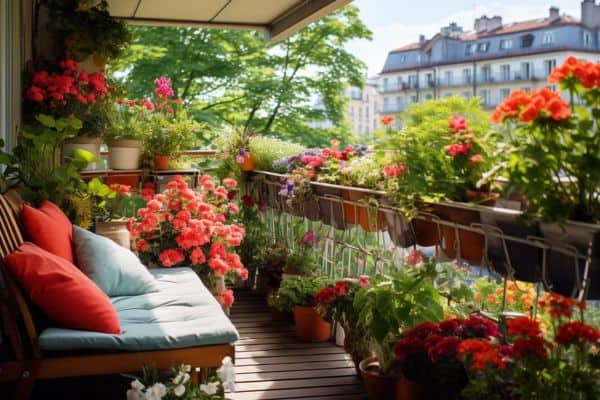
490	61
362	110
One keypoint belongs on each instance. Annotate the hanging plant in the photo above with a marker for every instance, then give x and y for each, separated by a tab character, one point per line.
87	29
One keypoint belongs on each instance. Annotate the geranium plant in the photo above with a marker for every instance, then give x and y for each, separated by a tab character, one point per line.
535	362
300	291
193	228
301	259
69	91
555	156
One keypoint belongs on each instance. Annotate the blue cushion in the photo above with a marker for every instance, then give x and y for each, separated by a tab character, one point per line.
115	269
183	313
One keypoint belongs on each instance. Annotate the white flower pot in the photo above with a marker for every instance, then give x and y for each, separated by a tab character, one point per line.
340	335
91	144
124	154
115	230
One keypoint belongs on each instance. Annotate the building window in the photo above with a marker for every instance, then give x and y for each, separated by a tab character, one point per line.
485	97
526	89
549	65
548	38
386	104
505	70
527	40
449	78
413	99
399	103
399	82
470	49
587	39
486	73
504	93
506	44
483	47
412	81
467	75
527	70
385	84
466	95
402	59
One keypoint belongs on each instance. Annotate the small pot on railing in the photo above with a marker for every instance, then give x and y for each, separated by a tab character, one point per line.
161	163
248	164
371	220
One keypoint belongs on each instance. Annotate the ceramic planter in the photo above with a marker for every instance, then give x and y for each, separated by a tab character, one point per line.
562	269
124	154
161	163
115	230
91	144
393	387
248	164
331	211
310	326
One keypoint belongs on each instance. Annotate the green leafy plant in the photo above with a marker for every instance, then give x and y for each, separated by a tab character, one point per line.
35	164
266	150
434	157
128	120
401	300
300	291
169	136
87	28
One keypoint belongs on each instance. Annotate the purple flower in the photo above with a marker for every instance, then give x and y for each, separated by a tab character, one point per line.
287	190
309	239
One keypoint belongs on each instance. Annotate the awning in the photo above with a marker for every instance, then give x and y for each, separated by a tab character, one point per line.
278	18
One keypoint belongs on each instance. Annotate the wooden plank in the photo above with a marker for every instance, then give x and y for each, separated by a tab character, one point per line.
310	373
283	344
342	397
280	328
290	393
297	383
288	352
263	368
285	360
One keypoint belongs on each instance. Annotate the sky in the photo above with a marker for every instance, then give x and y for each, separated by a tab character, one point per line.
395	23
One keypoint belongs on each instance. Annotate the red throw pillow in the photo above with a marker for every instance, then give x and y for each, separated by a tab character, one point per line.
49	228
68	297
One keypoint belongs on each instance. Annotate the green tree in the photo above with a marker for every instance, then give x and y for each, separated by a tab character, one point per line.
235	78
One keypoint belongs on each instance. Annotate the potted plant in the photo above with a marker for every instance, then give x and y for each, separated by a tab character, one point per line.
87	30
298	295
529	362
402	300
336	303
197	232
129	126
169	136
66	91
561	139
428	354
301	260
443	158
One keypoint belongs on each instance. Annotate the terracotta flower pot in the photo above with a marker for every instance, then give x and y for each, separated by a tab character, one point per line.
426	233
471	243
161	162
356	214
310	326
249	164
483	198
379	387
409	390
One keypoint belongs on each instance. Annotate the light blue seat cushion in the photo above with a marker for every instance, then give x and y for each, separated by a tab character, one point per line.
117	271
183	313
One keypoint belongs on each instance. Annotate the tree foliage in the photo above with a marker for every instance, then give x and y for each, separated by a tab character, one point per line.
236	78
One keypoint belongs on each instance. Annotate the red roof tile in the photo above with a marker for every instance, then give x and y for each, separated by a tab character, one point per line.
530	25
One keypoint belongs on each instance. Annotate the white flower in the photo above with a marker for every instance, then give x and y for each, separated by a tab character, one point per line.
210	388
181	378
135	394
179	390
227	374
137	385
156	392
187	368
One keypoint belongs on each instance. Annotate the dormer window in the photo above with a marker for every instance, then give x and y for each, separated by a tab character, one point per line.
402	59
483	47
548	38
470	49
527	40
506	44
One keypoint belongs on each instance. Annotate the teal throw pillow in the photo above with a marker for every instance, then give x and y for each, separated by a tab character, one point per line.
116	270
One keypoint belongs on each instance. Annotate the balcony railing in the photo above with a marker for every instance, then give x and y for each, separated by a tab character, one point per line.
359	239
398	87
489	79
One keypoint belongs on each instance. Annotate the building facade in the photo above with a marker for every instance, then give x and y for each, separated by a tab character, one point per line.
490	62
362	110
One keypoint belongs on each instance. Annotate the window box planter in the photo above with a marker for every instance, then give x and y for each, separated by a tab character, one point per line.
331	211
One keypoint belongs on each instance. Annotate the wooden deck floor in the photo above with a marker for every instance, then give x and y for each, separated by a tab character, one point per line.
272	364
